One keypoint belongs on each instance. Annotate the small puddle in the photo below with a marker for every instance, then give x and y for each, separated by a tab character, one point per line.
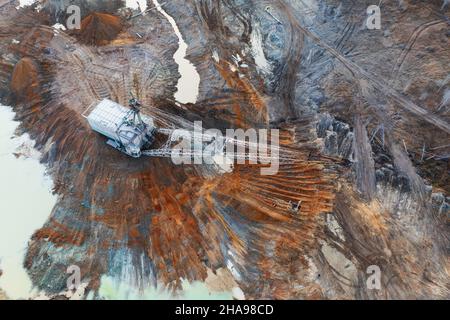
24	3
136	4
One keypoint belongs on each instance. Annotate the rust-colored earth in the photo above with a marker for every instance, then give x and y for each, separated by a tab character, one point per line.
99	28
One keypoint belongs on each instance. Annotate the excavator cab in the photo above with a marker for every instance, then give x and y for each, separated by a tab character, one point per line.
127	130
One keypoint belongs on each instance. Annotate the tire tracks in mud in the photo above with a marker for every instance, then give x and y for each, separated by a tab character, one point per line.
359	73
242	18
285	88
411	42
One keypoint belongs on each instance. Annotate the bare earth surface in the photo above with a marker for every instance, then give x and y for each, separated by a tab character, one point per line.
364	113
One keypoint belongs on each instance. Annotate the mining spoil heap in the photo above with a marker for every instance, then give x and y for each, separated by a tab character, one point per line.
364	112
99	28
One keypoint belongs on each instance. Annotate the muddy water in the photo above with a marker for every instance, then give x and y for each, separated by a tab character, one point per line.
258	52
26	203
23	3
110	289
136	4
187	87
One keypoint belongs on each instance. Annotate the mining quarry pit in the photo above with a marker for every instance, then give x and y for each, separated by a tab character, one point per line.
364	123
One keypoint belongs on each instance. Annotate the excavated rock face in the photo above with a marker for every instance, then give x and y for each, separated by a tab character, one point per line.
358	112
